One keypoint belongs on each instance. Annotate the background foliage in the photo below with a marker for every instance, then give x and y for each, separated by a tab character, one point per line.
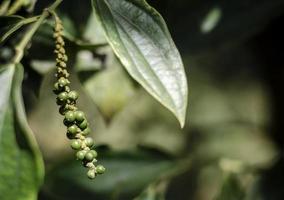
232	143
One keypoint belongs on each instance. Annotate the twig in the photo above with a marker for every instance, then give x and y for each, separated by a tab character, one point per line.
19	49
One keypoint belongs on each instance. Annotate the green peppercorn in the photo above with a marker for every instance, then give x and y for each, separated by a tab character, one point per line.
57	89
65	58
83	124
62	109
76	144
63	82
94	152
89	156
70	116
62	96
73	129
59	102
73	96
100	169
62	64
80	116
70	136
81	154
87	131
91	174
89	141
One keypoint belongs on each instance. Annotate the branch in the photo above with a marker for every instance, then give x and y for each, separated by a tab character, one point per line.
19	49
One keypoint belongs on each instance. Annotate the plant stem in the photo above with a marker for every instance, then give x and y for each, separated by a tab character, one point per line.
19	49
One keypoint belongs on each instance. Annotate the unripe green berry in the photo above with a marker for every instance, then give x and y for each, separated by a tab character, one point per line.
89	156
59	102
73	129
87	131
83	125
81	154
91	174
62	96
65	58
63	82
89	141
80	116
57	89
62	109
73	96
62	64
70	116
94	152
70	136
67	123
100	169
76	144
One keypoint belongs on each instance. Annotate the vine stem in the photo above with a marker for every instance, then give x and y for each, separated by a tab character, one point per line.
19	49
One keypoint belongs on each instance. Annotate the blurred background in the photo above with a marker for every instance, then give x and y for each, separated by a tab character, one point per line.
232	145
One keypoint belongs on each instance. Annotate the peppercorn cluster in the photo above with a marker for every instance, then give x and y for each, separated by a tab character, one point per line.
74	119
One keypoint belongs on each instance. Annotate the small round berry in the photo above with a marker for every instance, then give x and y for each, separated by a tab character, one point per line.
87	131
81	154
70	116
73	129
62	64
62	82
62	109
62	96
94	152
80	116
56	89
83	124
59	102
65	58
91	174
76	144
89	142
73	96
100	169
70	136
89	156
67	123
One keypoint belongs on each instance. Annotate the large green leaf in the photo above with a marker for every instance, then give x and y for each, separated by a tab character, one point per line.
21	166
141	40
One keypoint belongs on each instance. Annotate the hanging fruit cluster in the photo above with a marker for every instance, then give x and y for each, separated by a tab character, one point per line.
74	119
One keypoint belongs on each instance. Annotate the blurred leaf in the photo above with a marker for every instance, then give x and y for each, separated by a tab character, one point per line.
141	40
236	142
110	89
231	189
155	191
10	24
4	6
21	166
126	176
87	62
94	32
211	20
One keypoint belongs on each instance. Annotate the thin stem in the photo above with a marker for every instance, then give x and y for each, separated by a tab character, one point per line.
33	28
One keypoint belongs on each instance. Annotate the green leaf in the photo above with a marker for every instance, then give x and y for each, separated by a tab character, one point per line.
154	192
21	166
110	89
10	24
141	40
127	175
231	189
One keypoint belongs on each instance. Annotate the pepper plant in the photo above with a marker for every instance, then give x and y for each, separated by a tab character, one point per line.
140	41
